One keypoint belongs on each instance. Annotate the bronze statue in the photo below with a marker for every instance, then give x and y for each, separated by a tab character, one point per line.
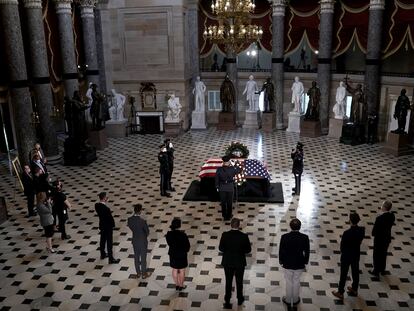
99	109
227	95
358	108
400	112
312	113
269	96
79	131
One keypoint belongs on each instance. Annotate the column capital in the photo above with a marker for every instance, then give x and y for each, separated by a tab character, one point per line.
376	4
9	2
327	6
32	4
278	7
63	6
87	7
87	3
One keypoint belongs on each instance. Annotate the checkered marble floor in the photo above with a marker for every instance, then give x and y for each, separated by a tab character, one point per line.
337	179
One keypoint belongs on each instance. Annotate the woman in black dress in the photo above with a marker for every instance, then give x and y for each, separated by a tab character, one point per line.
179	246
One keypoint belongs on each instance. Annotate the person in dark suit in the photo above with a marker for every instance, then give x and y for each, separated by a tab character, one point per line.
179	246
29	190
140	232
40	181
382	238
234	245
293	256
106	227
350	253
164	170
61	206
224	181
297	167
170	152
37	162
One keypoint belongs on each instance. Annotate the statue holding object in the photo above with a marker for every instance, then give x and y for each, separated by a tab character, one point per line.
358	108
312	113
174	109
250	91
199	92
269	97
297	92
227	94
339	108
400	112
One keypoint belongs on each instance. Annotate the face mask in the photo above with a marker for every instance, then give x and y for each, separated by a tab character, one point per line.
164	150
170	145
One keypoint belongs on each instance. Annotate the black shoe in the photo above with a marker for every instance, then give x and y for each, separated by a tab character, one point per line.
166	195
385	273
66	237
172	189
113	260
227	305
182	288
240	301
177	288
374	273
103	256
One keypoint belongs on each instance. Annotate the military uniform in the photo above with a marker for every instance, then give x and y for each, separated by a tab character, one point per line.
297	168
170	153
225	186
164	172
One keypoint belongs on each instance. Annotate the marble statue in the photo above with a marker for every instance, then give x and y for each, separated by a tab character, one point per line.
199	91
174	109
90	100
400	112
116	111
269	96
339	108
227	94
250	90
358	108
297	93
312	113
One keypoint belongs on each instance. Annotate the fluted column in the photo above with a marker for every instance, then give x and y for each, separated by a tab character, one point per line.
19	90
67	46
40	74
324	60
373	56
278	46
89	39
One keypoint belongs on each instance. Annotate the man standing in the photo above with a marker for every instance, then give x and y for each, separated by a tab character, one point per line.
297	167
234	245
224	181
106	227
350	253
382	238
164	170
140	233
29	190
170	153
293	256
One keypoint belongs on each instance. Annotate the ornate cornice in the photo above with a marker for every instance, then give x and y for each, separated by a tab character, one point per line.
63	6
327	6
278	7
32	4
377	4
88	3
9	2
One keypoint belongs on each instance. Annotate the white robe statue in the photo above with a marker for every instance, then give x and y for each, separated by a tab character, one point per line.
199	91
90	100
116	111
251	89
174	109
339	108
297	93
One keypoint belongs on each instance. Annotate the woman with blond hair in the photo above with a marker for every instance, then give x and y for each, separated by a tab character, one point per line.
44	209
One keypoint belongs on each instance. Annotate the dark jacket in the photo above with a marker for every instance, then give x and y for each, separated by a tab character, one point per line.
351	243
297	157
225	177
170	154
178	242
164	165
140	231
106	221
294	250
234	245
382	227
59	204
28	184
41	184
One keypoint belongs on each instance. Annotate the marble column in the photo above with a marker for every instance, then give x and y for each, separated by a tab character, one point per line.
19	90
373	56
193	38
324	60
100	50
232	72
278	25
67	46
40	74
89	40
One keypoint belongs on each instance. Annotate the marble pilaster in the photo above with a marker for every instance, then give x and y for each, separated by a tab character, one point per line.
40	74
278	23
324	60
67	46
19	90
89	40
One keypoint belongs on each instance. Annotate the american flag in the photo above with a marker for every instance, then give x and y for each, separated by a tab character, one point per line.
251	168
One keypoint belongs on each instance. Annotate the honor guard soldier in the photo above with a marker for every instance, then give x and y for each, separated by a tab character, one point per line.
164	170
297	167
170	152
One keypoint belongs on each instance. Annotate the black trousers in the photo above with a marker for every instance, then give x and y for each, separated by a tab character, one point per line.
231	272
344	273
226	202
170	176
164	182
297	182
106	239
380	256
30	203
62	221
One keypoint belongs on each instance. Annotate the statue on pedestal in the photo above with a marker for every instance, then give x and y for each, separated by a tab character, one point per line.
78	132
174	109
199	91
297	92
90	100
312	113
400	112
269	97
358	108
251	89
99	109
116	111
227	94
339	108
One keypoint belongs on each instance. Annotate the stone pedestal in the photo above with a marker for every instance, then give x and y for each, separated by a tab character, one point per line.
335	127
294	122
172	129
198	120
116	129
98	139
397	144
78	155
251	120
352	134
227	121
310	128
268	121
